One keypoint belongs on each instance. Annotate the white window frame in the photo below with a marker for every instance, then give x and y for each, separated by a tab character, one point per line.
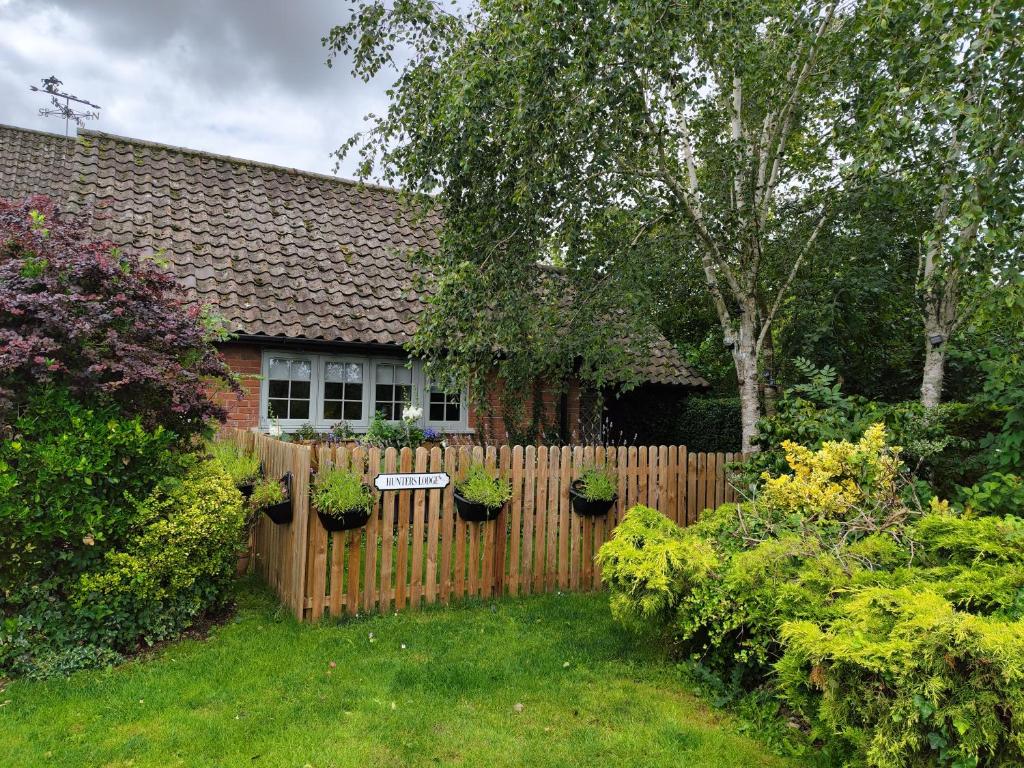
318	366
287	424
414	384
459	425
321	421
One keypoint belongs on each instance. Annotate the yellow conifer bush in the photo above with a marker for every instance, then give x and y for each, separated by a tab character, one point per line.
892	627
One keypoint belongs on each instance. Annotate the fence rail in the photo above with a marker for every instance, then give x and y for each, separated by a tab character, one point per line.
416	550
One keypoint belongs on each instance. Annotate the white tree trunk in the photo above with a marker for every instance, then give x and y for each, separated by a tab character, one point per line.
934	367
744	355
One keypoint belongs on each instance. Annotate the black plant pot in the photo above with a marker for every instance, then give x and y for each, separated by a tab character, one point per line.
582	506
246	488
281	513
472	512
347	520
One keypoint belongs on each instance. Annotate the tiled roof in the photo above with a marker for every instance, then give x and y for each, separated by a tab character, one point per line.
277	252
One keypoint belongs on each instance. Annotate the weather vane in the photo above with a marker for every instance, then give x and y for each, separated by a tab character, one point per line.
51	87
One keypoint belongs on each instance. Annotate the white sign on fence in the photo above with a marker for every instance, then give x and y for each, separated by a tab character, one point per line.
412	481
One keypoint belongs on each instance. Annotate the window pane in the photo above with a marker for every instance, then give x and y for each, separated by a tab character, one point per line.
436	412
354	372
278	389
403	375
277	409
299	409
403	393
334	372
278	368
453	413
384	392
354	392
333	390
300	389
332	409
354	411
385	374
301	370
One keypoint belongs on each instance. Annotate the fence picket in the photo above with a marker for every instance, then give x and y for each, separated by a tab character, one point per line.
554	474
460	533
500	527
516	536
529	494
540	519
433	528
387	535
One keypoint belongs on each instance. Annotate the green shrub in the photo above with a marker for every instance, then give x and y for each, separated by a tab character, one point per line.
996	493
175	565
660	415
598	484
481	487
336	491
709	424
242	466
808	593
904	679
383	434
306	432
178	568
940	446
72	477
649	565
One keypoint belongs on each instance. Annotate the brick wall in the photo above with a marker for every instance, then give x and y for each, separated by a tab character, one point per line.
244	409
495	430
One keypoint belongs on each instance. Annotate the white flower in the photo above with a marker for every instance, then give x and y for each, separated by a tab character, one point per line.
412	413
275	429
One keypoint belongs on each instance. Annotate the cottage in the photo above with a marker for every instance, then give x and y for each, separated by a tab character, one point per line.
311	273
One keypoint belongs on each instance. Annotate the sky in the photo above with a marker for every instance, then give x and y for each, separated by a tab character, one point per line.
237	77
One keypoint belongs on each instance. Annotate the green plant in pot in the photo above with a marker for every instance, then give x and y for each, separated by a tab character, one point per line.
481	495
273	498
342	500
594	492
242	466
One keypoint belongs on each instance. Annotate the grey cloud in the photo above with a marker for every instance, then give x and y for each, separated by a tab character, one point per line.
241	77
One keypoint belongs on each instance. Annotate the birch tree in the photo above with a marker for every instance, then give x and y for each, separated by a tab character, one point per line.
945	104
600	130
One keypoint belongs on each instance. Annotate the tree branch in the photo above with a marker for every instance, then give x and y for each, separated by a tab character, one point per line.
784	288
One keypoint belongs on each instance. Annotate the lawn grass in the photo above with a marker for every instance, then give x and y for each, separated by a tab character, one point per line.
439	687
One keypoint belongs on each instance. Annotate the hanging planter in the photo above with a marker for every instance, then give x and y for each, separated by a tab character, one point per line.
244	467
342	501
480	496
473	511
245	487
273	498
585	507
593	493
345	520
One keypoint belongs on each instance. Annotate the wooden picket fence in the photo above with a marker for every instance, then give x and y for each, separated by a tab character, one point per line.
416	550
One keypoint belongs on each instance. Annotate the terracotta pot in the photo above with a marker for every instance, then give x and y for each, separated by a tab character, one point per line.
242	567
